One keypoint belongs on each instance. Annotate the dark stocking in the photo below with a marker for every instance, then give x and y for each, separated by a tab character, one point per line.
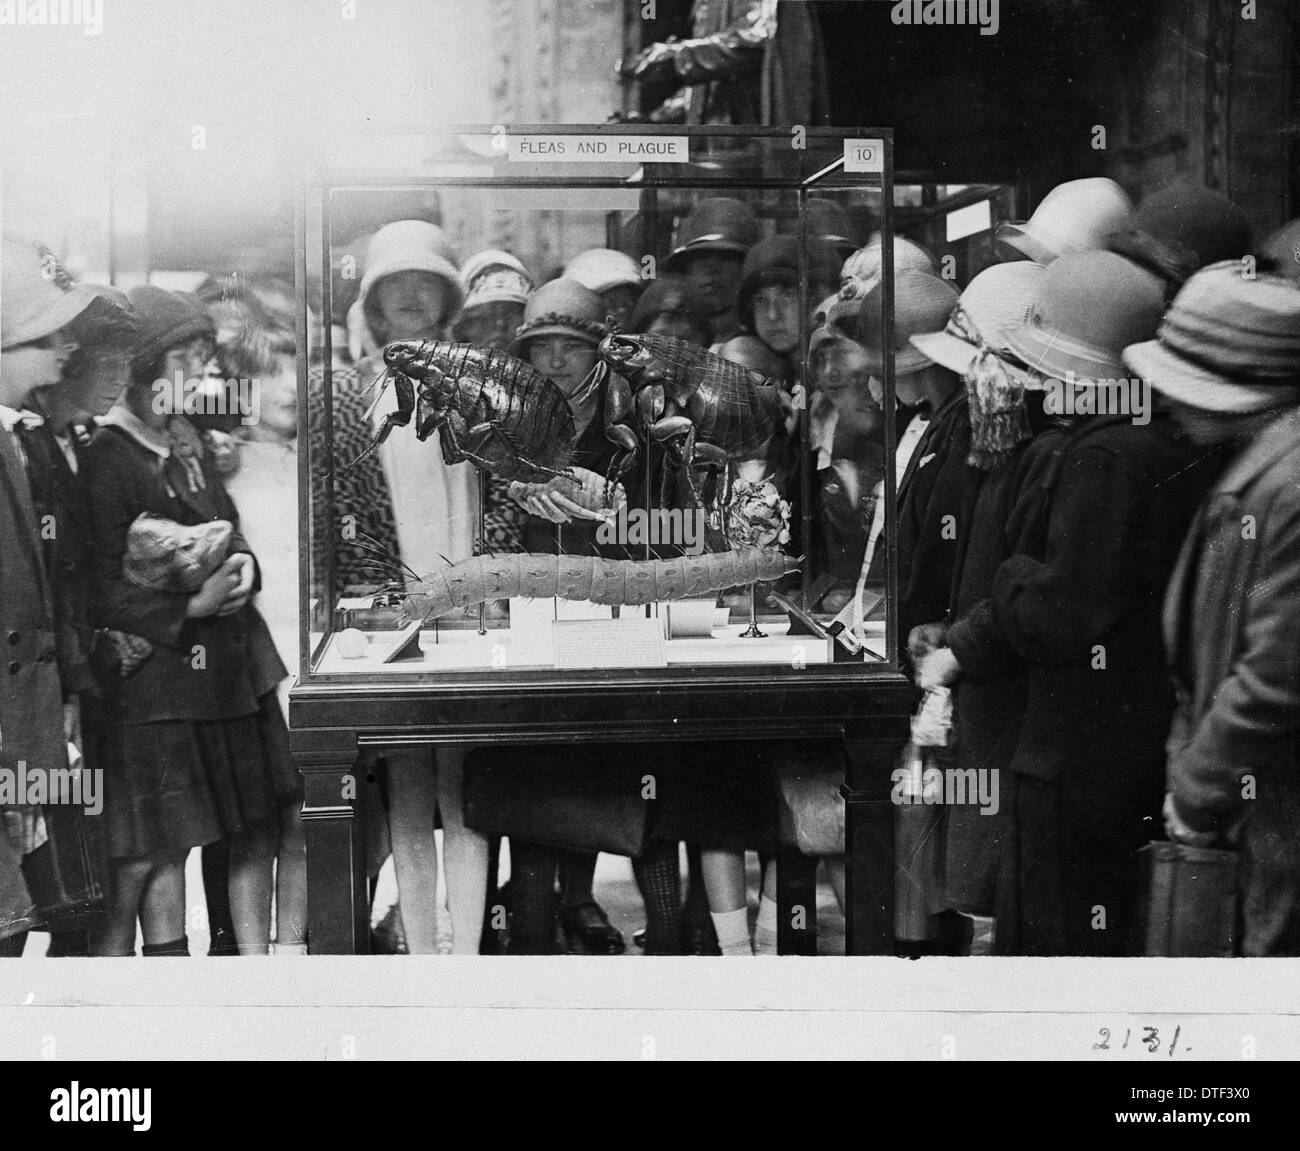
216	893
11	946
697	900
488	940
702	939
532	898
658	877
577	871
68	944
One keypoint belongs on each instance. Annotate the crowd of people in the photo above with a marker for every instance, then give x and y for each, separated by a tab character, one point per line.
137	655
1097	551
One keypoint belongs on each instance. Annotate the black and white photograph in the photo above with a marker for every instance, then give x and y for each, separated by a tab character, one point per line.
491	491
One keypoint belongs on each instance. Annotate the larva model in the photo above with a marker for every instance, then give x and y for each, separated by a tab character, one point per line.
626	582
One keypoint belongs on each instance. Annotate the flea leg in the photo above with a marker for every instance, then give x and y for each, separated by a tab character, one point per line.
395	419
514	465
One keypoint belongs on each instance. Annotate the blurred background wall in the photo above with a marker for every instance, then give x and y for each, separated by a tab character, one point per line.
174	125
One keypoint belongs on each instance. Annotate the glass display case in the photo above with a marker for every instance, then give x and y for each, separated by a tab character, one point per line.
595	519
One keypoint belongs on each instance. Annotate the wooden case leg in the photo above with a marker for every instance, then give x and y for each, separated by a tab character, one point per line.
796	901
338	903
869	842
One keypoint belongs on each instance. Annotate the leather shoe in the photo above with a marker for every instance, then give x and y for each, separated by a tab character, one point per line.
587	930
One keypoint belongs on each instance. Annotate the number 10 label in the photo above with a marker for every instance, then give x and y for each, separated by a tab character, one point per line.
864	155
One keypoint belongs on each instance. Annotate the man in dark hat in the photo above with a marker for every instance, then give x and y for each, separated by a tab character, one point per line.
710	252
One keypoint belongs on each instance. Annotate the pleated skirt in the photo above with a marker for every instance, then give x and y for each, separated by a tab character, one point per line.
178	784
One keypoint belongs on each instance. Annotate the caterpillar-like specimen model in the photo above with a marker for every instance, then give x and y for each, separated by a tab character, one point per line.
629	582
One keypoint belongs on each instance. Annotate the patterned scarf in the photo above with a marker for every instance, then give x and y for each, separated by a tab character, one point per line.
996	391
187	449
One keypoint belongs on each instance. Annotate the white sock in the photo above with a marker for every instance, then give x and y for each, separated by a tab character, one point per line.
765	928
732	929
288	949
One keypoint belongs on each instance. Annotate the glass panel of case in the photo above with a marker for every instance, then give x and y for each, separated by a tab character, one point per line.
732	452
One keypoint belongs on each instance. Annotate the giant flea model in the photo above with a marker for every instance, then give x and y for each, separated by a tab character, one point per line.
505	417
490	408
705	408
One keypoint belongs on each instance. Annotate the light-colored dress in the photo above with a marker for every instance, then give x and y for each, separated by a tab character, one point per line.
265	490
435	504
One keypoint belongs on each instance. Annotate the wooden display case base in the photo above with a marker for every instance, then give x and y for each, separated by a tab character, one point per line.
335	728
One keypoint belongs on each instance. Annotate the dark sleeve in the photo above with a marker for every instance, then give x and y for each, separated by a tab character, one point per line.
979	646
226	510
926	566
1054	610
975	638
1253	724
119	487
734	51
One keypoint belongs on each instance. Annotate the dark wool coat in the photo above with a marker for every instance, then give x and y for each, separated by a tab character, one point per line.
201	669
1232	625
935	499
1085	618
1008	518
68	554
31	700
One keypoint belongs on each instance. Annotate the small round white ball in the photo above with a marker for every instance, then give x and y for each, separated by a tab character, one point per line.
352	643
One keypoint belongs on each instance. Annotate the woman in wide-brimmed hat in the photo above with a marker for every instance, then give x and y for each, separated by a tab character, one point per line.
614	276
563	324
1082	615
1227	360
92	382
861	270
1011	444
409	505
497	286
1076	216
36	344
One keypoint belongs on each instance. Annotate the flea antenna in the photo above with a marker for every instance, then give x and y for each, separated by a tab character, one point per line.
387	379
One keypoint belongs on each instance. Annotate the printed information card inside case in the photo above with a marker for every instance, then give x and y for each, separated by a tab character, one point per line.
588	643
